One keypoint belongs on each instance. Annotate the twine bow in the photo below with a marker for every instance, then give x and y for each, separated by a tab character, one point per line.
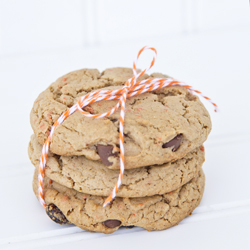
131	88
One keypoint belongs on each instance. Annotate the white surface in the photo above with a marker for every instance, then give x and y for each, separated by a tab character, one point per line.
134	19
217	63
30	26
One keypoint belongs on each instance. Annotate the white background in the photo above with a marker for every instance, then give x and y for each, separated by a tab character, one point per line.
32	26
205	43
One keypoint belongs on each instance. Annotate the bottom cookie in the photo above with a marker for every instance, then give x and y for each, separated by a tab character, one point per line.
156	212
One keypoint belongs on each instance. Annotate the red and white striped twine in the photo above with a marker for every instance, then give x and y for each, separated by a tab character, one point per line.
131	88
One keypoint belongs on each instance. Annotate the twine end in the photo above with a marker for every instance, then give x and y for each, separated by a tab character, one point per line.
105	204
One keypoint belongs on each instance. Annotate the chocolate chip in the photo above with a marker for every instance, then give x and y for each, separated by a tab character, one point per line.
112	223
105	151
147	169
56	214
175	143
129	227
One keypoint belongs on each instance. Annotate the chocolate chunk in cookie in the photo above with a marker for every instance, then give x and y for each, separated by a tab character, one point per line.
56	214
175	143
105	151
112	223
130	227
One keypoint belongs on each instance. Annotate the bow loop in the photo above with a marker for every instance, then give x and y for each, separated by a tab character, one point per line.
137	75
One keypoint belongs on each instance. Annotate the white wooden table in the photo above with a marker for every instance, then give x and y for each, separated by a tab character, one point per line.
216	63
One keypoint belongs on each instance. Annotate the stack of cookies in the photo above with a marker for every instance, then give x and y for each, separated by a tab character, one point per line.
163	135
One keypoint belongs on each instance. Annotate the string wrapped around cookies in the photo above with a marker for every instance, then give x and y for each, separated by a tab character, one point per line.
131	88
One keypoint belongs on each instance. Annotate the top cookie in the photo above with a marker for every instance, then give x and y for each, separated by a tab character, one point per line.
160	126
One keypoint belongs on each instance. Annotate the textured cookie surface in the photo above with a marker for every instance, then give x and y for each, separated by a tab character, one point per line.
160	126
94	178
156	212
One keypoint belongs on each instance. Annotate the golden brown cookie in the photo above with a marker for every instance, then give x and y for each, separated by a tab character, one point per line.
156	212
93	177
160	126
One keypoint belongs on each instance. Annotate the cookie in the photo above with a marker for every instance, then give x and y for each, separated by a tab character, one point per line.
92	177
156	212
159	127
